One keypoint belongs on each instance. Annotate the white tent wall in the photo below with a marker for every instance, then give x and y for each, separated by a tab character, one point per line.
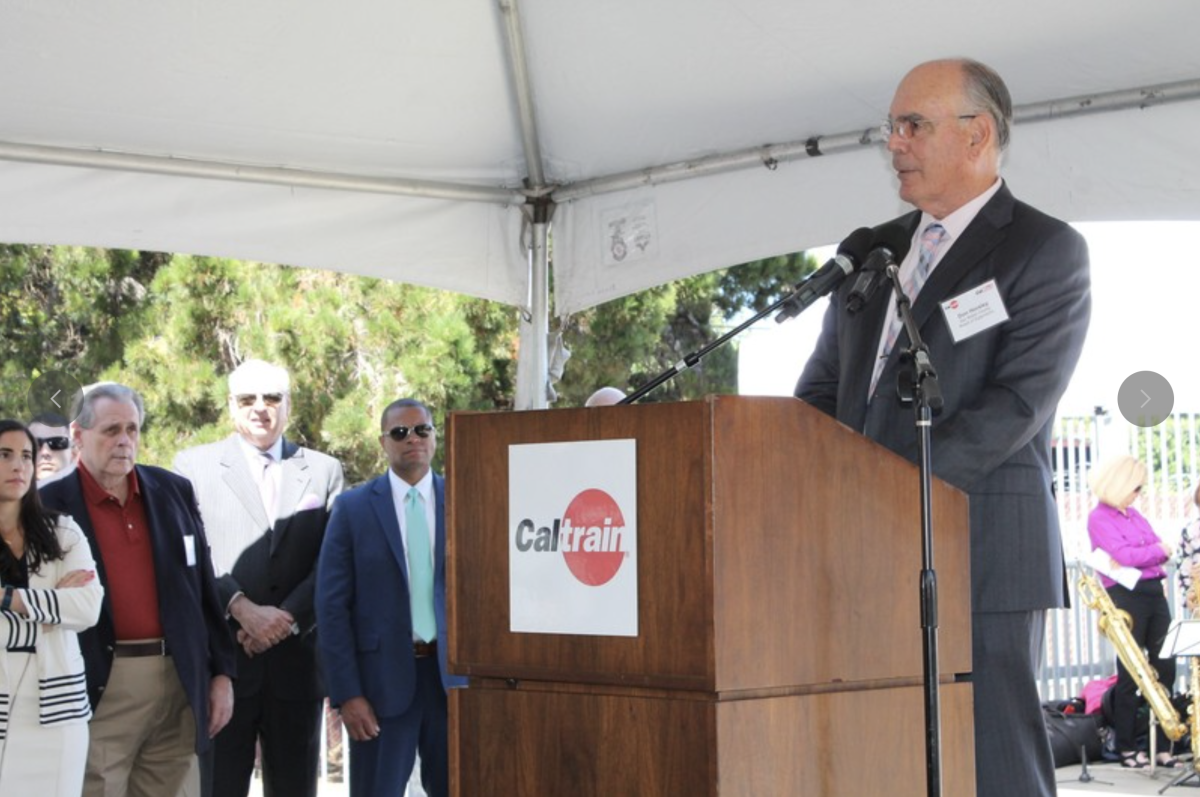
401	91
1135	164
474	248
712	222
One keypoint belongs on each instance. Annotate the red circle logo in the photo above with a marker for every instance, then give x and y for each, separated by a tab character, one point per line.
594	528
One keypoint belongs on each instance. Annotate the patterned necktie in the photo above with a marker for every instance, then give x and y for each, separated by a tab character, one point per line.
931	239
266	485
420	566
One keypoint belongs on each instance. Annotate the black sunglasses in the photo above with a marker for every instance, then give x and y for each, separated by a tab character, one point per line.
55	443
250	399
422	430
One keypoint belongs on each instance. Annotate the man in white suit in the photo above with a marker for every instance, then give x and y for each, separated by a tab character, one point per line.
265	502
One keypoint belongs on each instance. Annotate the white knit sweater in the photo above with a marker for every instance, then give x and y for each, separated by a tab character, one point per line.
54	616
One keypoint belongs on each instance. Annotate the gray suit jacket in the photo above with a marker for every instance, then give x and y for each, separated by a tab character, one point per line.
279	567
1001	389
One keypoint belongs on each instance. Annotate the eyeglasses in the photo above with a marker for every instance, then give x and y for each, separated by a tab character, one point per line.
55	443
250	399
907	127
421	430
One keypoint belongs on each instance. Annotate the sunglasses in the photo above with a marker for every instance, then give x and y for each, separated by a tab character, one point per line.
55	443
250	399
421	430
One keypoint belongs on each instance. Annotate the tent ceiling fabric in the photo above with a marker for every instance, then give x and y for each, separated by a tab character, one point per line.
423	91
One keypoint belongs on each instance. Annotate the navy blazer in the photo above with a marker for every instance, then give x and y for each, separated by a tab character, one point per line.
366	637
1001	389
193	620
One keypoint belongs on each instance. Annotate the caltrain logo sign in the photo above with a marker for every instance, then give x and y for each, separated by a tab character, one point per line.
573	537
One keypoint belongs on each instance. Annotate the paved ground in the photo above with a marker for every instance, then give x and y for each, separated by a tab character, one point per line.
326	789
1112	779
1106	779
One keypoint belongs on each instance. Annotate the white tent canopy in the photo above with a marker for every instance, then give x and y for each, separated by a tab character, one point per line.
411	140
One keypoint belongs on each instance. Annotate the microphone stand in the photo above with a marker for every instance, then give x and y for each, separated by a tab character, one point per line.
798	301
919	386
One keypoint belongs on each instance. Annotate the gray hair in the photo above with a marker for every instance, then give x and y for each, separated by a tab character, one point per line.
85	406
985	90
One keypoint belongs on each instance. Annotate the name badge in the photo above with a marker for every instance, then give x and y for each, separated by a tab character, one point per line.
974	311
189	549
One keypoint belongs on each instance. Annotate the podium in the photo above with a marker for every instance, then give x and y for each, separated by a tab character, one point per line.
778	647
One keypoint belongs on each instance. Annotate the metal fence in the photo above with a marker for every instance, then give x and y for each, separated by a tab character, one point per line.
1076	651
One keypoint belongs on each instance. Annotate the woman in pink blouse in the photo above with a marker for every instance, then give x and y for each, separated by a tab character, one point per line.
1118	529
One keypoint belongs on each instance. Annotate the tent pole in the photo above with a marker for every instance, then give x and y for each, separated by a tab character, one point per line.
519	66
771	155
265	175
533	360
533	378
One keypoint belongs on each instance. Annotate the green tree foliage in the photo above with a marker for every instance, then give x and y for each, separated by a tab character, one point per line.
67	307
627	342
173	326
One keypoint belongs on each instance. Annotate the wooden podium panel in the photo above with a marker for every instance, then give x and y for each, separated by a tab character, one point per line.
538	741
776	549
778	637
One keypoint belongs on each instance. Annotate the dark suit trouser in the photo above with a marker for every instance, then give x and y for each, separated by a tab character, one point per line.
290	734
381	767
1012	752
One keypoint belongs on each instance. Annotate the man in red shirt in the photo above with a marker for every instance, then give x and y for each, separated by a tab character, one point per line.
160	662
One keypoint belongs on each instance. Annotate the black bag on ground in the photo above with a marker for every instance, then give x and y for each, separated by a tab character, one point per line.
1070	734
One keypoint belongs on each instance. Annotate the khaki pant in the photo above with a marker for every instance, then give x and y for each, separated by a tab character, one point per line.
143	735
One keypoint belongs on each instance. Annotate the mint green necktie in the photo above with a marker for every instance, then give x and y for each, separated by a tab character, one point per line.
420	567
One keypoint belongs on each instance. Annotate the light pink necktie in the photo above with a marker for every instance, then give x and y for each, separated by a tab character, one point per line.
931	239
266	485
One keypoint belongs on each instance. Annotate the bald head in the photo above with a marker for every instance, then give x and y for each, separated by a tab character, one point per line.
949	117
604	397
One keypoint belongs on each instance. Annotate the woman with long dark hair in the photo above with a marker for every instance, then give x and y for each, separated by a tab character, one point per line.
48	593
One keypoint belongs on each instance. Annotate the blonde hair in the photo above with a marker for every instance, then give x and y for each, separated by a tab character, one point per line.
1115	479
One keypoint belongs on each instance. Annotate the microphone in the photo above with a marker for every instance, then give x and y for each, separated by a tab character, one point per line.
850	254
889	245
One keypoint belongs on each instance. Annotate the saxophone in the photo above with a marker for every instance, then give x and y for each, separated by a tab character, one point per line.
1115	625
1193	602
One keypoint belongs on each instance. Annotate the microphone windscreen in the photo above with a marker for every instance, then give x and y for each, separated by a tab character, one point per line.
894	237
857	245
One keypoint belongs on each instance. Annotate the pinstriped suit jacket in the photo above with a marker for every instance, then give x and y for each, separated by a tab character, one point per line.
279	567
1001	387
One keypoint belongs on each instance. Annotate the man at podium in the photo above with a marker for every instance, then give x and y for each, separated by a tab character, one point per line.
1002	373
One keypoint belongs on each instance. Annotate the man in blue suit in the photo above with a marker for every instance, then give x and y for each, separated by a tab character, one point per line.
381	608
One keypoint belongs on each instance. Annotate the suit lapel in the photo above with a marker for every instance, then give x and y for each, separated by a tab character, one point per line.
76	507
157	525
863	332
385	514
982	235
439	534
294	480
236	475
